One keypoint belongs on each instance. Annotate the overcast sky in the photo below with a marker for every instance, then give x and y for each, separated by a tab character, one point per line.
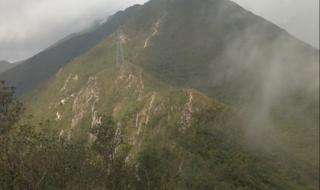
28	26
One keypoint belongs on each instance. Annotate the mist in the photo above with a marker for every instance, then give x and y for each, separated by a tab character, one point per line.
281	97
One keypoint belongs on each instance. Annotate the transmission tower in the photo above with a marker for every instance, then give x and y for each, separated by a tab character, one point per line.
120	52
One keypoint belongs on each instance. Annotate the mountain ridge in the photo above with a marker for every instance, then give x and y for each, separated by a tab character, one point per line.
33	71
214	96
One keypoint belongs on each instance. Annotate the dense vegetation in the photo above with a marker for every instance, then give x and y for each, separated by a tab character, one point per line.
36	157
208	156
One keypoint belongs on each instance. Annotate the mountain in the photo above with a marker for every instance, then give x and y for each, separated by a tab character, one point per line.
211	95
227	95
42	66
195	141
4	66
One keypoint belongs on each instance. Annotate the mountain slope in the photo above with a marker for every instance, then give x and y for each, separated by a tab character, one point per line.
222	50
252	121
215	43
42	66
190	140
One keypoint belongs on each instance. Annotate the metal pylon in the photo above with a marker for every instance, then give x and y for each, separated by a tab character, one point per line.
120	52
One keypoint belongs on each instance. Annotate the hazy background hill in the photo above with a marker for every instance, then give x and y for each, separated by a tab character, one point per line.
5	65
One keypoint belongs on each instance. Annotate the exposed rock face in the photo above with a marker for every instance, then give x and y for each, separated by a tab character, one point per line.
85	101
155	29
187	112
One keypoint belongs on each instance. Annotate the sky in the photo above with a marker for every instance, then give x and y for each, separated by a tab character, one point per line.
29	26
298	17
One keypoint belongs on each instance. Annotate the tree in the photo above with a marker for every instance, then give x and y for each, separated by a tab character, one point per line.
10	111
34	155
10	108
108	139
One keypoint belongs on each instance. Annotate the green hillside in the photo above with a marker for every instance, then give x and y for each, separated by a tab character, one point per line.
227	53
180	137
179	94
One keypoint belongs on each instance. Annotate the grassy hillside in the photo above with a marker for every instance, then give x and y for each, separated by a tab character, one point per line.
176	138
229	54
